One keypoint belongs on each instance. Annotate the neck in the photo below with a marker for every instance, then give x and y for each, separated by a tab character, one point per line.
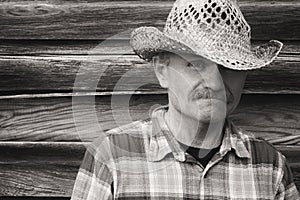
194	132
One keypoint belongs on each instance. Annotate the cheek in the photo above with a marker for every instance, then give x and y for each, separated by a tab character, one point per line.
179	84
178	92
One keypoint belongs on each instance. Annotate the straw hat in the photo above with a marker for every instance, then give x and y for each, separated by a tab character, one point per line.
214	29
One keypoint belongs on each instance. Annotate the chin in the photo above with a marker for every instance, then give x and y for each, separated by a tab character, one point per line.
215	108
209	116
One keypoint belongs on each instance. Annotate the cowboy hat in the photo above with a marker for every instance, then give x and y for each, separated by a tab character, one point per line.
214	29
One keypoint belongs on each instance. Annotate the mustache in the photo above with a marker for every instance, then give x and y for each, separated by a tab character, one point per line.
208	93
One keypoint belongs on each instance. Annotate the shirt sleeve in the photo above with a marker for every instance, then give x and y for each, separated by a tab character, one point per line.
93	181
287	189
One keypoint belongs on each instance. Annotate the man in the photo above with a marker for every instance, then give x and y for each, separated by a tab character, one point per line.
188	149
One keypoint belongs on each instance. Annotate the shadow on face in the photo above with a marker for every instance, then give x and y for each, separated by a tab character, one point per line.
234	81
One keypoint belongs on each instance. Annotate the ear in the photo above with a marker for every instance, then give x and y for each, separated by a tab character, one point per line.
161	72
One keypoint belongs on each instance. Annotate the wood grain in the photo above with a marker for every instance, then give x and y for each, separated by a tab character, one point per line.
273	117
49	169
94	47
46	45
97	20
39	169
63	73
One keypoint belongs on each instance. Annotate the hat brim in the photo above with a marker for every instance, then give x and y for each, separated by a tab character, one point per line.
147	42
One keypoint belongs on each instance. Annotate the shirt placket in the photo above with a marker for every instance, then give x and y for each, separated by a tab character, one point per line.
195	169
203	170
214	160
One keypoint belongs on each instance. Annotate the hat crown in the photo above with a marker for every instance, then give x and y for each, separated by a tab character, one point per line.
214	29
205	25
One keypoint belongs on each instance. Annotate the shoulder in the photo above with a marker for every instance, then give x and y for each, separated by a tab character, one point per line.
261	151
121	141
135	128
266	156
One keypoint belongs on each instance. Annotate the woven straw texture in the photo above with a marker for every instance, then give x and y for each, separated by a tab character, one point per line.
214	29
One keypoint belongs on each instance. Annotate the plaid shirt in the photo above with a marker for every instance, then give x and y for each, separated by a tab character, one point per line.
143	160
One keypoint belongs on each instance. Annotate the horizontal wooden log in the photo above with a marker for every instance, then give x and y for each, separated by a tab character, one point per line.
94	47
98	20
57	73
39	169
33	198
50	169
272	117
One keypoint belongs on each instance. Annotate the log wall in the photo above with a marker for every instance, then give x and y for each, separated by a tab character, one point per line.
47	46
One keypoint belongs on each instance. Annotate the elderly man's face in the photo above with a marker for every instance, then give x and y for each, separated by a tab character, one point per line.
199	88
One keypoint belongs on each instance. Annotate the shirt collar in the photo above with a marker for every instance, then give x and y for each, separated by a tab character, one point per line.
162	142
